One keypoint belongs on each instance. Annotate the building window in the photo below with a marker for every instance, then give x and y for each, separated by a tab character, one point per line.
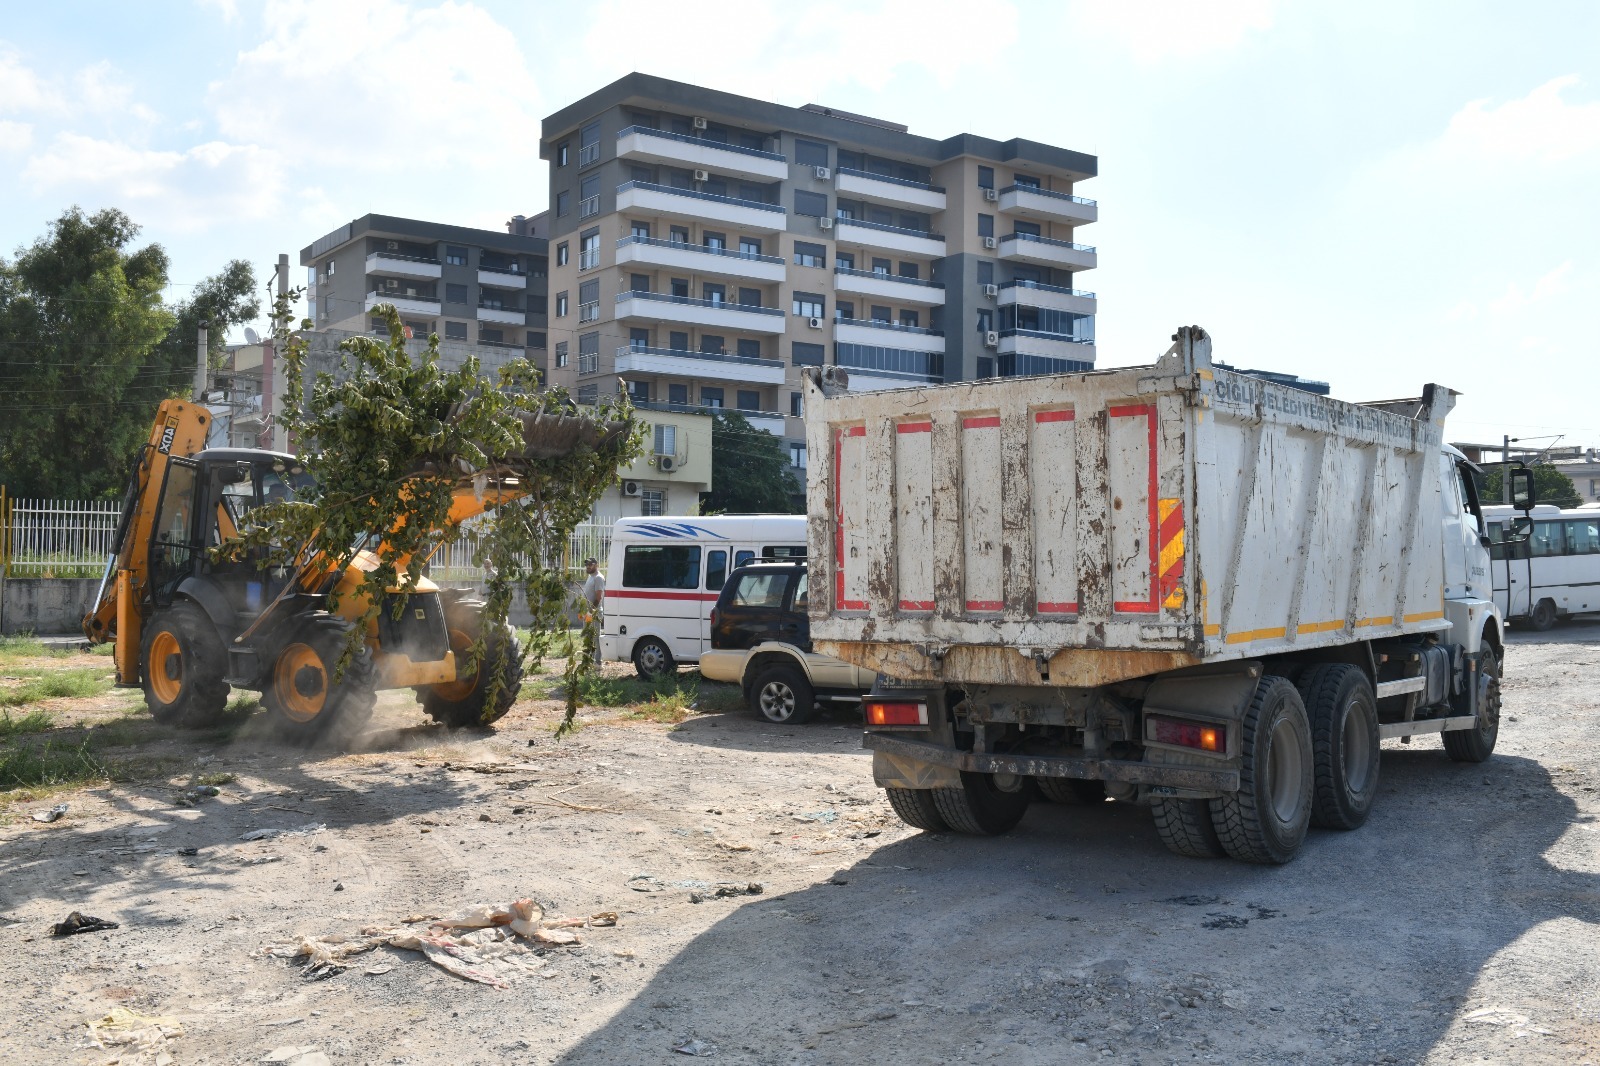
749	297
810	255
749	349
589	144
880	313
985	272
491	336
677	341
678	394
455	331
328	270
797	455
563	153
1024	181
844	309
986	177
986	225
419	330
711	344
589	301
639	391
985	320
589	353
750	247
666	439
714	293
561	353
455	294
652	502
678	234
536	340
749	400
985	366
810	153
809	305
810	203
538	304
711	396
910	270
561	304
561	254
806	354
541	266
588	395
639	282
714	241
455	256
563	202
639	229
880	266
589	197
638	339
910	319
797	404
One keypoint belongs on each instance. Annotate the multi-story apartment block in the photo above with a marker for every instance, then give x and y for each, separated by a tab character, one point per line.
705	246
480	290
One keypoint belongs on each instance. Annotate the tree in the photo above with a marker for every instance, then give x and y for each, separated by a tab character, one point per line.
88	350
749	472
1550	486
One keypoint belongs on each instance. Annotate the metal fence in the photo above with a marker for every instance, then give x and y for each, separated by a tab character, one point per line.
454	562
56	538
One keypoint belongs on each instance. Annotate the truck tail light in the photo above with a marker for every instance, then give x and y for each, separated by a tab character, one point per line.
1204	736
895	712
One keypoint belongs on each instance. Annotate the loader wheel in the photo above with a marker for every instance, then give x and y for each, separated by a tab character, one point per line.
465	702
1345	744
1265	821
183	661
1476	745
305	691
916	808
978	807
1072	790
1184	826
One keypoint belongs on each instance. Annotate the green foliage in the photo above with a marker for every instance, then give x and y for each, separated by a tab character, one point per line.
50	764
1550	486
393	443
32	722
224	300
76	683
749	470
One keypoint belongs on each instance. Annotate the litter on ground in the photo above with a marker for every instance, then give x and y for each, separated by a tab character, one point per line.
78	922
269	834
50	815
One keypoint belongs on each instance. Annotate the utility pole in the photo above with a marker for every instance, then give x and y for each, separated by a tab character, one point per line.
280	436
202	362
1505	469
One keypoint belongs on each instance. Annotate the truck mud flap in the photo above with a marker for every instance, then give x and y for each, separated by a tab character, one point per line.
1133	773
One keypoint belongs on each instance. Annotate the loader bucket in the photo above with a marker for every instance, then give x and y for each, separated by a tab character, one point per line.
552	436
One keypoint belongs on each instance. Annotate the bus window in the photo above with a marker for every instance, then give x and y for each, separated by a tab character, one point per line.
784	551
742	556
716	569
1583	537
1546	541
661	566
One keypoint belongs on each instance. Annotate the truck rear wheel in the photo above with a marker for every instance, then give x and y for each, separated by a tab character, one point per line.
979	808
1266	820
1345	744
1072	790
1477	744
916	808
302	692
465	701
182	664
1184	826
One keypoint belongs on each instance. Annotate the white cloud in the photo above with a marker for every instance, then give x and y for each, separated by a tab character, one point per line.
15	137
1515	300
1154	30
228	9
1541	128
21	90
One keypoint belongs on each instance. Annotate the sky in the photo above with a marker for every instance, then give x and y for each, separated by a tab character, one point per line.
1374	194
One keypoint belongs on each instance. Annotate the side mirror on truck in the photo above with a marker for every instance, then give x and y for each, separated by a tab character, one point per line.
1522	497
1519	529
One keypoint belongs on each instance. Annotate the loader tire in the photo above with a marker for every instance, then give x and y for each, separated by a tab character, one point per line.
1477	744
465	702
1072	790
978	808
1185	827
182	663
1266	820
309	697
1344	742
916	808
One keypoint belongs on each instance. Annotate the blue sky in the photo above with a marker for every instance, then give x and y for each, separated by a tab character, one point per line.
1375	194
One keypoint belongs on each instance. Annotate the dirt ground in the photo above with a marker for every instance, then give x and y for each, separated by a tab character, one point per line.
1458	926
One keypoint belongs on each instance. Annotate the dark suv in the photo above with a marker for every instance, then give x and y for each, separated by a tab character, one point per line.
761	641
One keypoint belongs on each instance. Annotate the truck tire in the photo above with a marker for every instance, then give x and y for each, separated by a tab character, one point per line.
1543	615
978	808
182	662
1185	827
465	702
1345	746
916	808
1266	820
653	659
1072	790
1476	745
782	695
306	701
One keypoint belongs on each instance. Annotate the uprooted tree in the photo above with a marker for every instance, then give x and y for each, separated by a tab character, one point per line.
391	441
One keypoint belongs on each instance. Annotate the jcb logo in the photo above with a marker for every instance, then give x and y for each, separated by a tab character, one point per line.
165	447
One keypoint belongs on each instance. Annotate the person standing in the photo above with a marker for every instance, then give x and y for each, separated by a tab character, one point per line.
594	595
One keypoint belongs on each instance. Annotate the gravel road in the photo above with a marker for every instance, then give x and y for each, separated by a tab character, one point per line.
1458	926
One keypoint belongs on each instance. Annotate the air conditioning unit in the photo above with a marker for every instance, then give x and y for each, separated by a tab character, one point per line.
990	195
991	290
824	223
394	246
699	123
814	323
701	175
991	339
668	463
990	242
824	173
630	488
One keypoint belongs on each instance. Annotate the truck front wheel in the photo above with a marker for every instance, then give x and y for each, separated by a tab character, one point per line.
978	807
1344	738
1477	744
916	808
1266	820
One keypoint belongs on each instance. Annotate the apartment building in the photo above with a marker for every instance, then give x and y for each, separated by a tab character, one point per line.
483	291
704	247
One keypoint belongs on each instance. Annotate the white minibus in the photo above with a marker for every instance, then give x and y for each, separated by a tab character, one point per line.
663	577
1552	574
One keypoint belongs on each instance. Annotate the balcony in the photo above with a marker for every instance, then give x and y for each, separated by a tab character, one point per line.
1027	202
1027	248
711	314
1025	342
1053	297
405	266
511	316
889	238
887	334
676	362
651	199
405	304
878	380
697	153
697	258
888	286
771	421
883	189
501	277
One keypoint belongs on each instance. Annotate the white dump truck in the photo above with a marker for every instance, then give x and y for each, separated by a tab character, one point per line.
1187	587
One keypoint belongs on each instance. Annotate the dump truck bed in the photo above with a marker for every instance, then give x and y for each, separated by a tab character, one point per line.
1081	529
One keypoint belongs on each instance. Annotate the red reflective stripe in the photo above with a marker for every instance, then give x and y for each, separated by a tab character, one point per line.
1053	416
916	605
631	594
984	605
838	520
915	427
1148	413
1173	525
981	422
1057	608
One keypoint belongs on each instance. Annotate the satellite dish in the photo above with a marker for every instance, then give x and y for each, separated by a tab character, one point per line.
251	336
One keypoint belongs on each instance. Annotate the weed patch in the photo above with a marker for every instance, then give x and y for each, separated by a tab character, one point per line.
63	683
32	722
51	764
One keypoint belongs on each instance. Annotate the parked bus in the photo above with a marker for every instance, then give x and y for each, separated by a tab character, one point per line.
664	575
1554	573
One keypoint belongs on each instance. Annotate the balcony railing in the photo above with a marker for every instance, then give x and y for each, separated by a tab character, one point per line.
711	196
588	207
702	142
588	258
684	353
638	294
685	246
589	312
588	362
498	305
500	344
878	323
1046	240
1040	286
885	177
408	258
401	294
882	276
589	153
846	220
1046	192
501	268
1063	338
